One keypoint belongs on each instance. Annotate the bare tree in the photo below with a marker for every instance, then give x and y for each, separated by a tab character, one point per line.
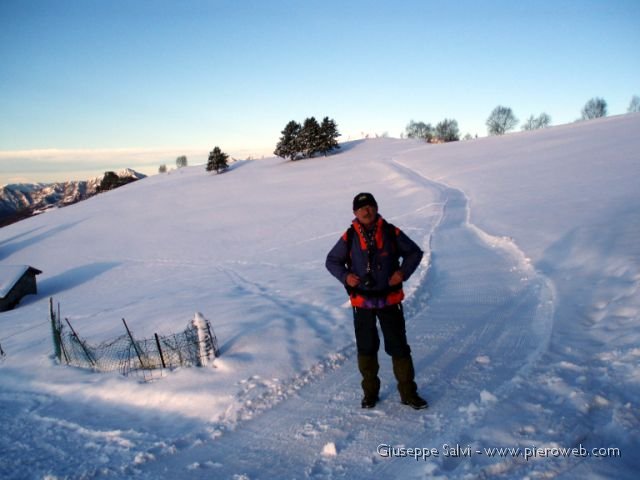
162	168
594	108
181	161
534	123
420	130
634	105
447	130
501	121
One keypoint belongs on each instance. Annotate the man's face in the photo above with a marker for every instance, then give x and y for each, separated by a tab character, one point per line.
366	215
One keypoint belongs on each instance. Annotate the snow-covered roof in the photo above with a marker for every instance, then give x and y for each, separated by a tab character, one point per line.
9	276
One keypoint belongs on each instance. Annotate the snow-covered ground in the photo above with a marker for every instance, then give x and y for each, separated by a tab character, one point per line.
524	317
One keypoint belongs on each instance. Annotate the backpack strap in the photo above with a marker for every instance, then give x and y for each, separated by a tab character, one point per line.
351	231
391	230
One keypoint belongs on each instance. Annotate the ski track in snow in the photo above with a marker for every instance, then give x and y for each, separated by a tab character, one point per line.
477	320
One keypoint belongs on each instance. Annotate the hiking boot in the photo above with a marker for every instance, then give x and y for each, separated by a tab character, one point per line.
369	402
404	372
368	366
416	402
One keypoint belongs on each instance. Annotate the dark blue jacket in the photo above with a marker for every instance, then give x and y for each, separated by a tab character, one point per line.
391	246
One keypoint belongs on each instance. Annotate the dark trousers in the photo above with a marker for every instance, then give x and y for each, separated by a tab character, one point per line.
393	329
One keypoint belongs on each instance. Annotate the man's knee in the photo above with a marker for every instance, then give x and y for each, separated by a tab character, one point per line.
399	350
367	342
393	329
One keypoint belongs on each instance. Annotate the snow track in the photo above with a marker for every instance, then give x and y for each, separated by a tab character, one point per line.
476	322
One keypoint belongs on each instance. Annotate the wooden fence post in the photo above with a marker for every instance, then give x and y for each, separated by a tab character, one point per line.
160	350
55	331
90	358
135	345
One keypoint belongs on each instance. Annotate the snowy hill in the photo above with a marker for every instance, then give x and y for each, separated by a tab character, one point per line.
524	317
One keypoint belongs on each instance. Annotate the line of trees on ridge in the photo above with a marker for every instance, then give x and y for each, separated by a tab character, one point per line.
306	140
218	161
445	131
502	119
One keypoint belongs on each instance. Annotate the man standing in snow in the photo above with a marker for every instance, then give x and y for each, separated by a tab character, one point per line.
366	260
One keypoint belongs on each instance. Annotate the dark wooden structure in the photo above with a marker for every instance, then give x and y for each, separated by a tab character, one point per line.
16	281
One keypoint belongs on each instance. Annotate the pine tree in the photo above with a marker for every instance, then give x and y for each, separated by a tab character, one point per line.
288	146
217	160
310	138
328	136
109	181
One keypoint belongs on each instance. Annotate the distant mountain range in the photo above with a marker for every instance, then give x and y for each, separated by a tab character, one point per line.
19	201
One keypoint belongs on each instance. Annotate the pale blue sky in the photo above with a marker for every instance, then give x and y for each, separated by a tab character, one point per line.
154	79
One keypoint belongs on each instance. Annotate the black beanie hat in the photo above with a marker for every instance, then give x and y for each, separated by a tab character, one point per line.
363	199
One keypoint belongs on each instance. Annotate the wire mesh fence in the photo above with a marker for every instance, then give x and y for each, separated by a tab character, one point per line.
196	346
